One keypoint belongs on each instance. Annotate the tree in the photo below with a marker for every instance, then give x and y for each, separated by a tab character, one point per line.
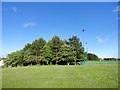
92	56
55	51
67	54
75	42
34	51
30	58
14	59
55	45
37	46
47	54
27	47
65	42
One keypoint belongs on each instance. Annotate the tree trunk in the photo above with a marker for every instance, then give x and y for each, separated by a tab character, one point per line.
50	62
47	62
75	62
67	63
56	62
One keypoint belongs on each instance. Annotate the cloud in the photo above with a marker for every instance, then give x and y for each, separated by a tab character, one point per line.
14	9
101	39
29	24
117	9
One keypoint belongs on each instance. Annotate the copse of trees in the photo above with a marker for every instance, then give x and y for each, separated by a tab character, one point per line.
55	51
91	56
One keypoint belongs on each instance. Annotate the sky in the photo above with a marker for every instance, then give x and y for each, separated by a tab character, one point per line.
23	22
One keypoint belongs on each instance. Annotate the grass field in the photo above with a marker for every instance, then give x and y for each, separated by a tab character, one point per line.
90	75
0	78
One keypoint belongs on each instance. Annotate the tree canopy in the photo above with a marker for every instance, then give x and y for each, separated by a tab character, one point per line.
92	56
55	51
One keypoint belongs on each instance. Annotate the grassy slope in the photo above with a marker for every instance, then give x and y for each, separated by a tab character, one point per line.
56	76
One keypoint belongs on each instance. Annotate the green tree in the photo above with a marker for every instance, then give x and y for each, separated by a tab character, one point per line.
47	54
14	59
67	54
33	52
27	47
37	46
29	58
92	56
56	50
75	42
55	45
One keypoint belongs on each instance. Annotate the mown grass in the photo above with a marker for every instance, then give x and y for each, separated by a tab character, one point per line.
90	75
0	78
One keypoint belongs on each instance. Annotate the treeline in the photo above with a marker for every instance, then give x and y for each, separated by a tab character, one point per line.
111	59
55	51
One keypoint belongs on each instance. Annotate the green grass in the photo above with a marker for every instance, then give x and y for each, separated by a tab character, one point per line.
90	75
0	78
